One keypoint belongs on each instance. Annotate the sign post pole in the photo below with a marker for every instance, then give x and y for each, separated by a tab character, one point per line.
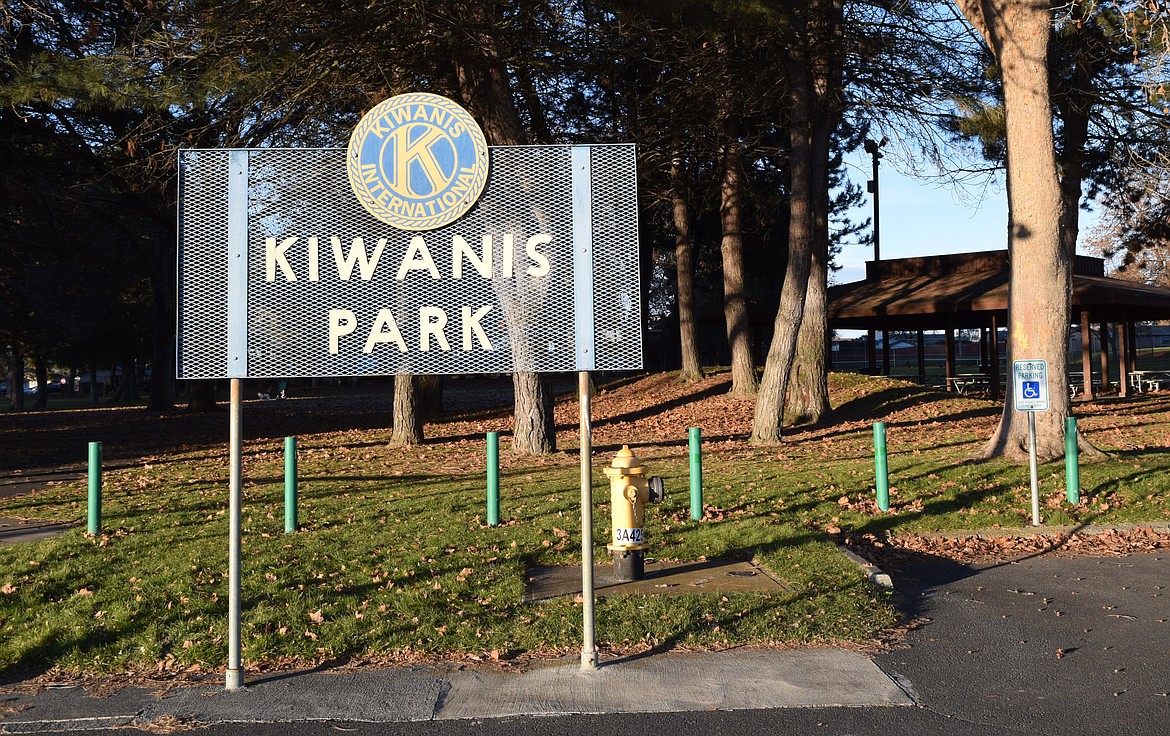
589	645
235	675
1032	468
1030	394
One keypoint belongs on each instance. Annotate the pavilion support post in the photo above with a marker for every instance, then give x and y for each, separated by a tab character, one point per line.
950	332
994	358
921	357
1104	340
1133	345
886	367
984	361
871	352
1087	353
1123	358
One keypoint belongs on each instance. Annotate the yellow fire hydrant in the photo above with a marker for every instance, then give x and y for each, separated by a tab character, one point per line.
629	491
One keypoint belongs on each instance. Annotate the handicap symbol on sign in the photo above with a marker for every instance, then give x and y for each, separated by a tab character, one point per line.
1031	389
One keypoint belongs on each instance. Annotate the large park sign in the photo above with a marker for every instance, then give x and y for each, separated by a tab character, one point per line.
418	249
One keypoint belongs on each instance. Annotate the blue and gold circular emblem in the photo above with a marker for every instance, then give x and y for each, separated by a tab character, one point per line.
417	161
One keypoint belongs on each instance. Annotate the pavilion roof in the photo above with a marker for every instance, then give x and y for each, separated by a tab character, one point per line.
966	289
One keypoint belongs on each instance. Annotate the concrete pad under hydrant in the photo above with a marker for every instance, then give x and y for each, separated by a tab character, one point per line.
662	578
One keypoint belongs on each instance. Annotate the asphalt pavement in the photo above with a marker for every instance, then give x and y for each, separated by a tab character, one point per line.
1046	645
1049	644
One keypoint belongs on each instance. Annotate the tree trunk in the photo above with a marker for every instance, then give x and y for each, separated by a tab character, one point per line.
534	432
16	384
11	377
119	391
200	396
1075	107
408	426
645	279
808	394
774	387
95	390
162	281
684	252
1039	291
537	115
42	368
130	379
430	396
485	89
739	340
808	388
138	377
1071	180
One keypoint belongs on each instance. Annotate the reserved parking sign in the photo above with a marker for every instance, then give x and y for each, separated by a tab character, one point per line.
1031	385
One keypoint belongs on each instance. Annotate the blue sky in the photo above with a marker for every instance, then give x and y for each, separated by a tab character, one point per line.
919	218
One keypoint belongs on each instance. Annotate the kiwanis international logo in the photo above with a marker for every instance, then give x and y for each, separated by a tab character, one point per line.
417	161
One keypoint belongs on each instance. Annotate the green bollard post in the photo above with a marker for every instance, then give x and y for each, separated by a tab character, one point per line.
493	478
290	485
1072	471
881	470
695	442
94	525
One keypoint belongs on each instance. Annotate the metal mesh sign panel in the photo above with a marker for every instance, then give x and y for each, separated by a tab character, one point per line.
283	273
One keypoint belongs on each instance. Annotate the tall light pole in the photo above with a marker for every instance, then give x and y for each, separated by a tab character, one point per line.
871	147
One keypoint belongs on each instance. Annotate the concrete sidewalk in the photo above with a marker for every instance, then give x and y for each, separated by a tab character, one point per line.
670	682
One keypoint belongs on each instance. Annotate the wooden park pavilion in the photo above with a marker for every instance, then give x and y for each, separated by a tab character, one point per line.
969	291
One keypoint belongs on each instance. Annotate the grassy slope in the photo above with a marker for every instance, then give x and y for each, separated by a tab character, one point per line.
394	561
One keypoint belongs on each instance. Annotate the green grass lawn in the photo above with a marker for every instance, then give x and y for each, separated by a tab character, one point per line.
395	563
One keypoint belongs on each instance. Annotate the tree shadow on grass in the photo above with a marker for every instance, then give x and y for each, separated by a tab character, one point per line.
661	408
42	658
898	398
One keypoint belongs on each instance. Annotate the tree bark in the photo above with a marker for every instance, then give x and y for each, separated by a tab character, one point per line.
200	395
42	368
408	426
774	387
430	397
743	365
684	252
16	383
95	390
162	281
534	432
808	391
16	379
1039	292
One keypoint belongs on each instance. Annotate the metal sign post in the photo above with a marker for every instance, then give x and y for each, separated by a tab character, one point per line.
1030	379
1032	468
588	645
235	674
